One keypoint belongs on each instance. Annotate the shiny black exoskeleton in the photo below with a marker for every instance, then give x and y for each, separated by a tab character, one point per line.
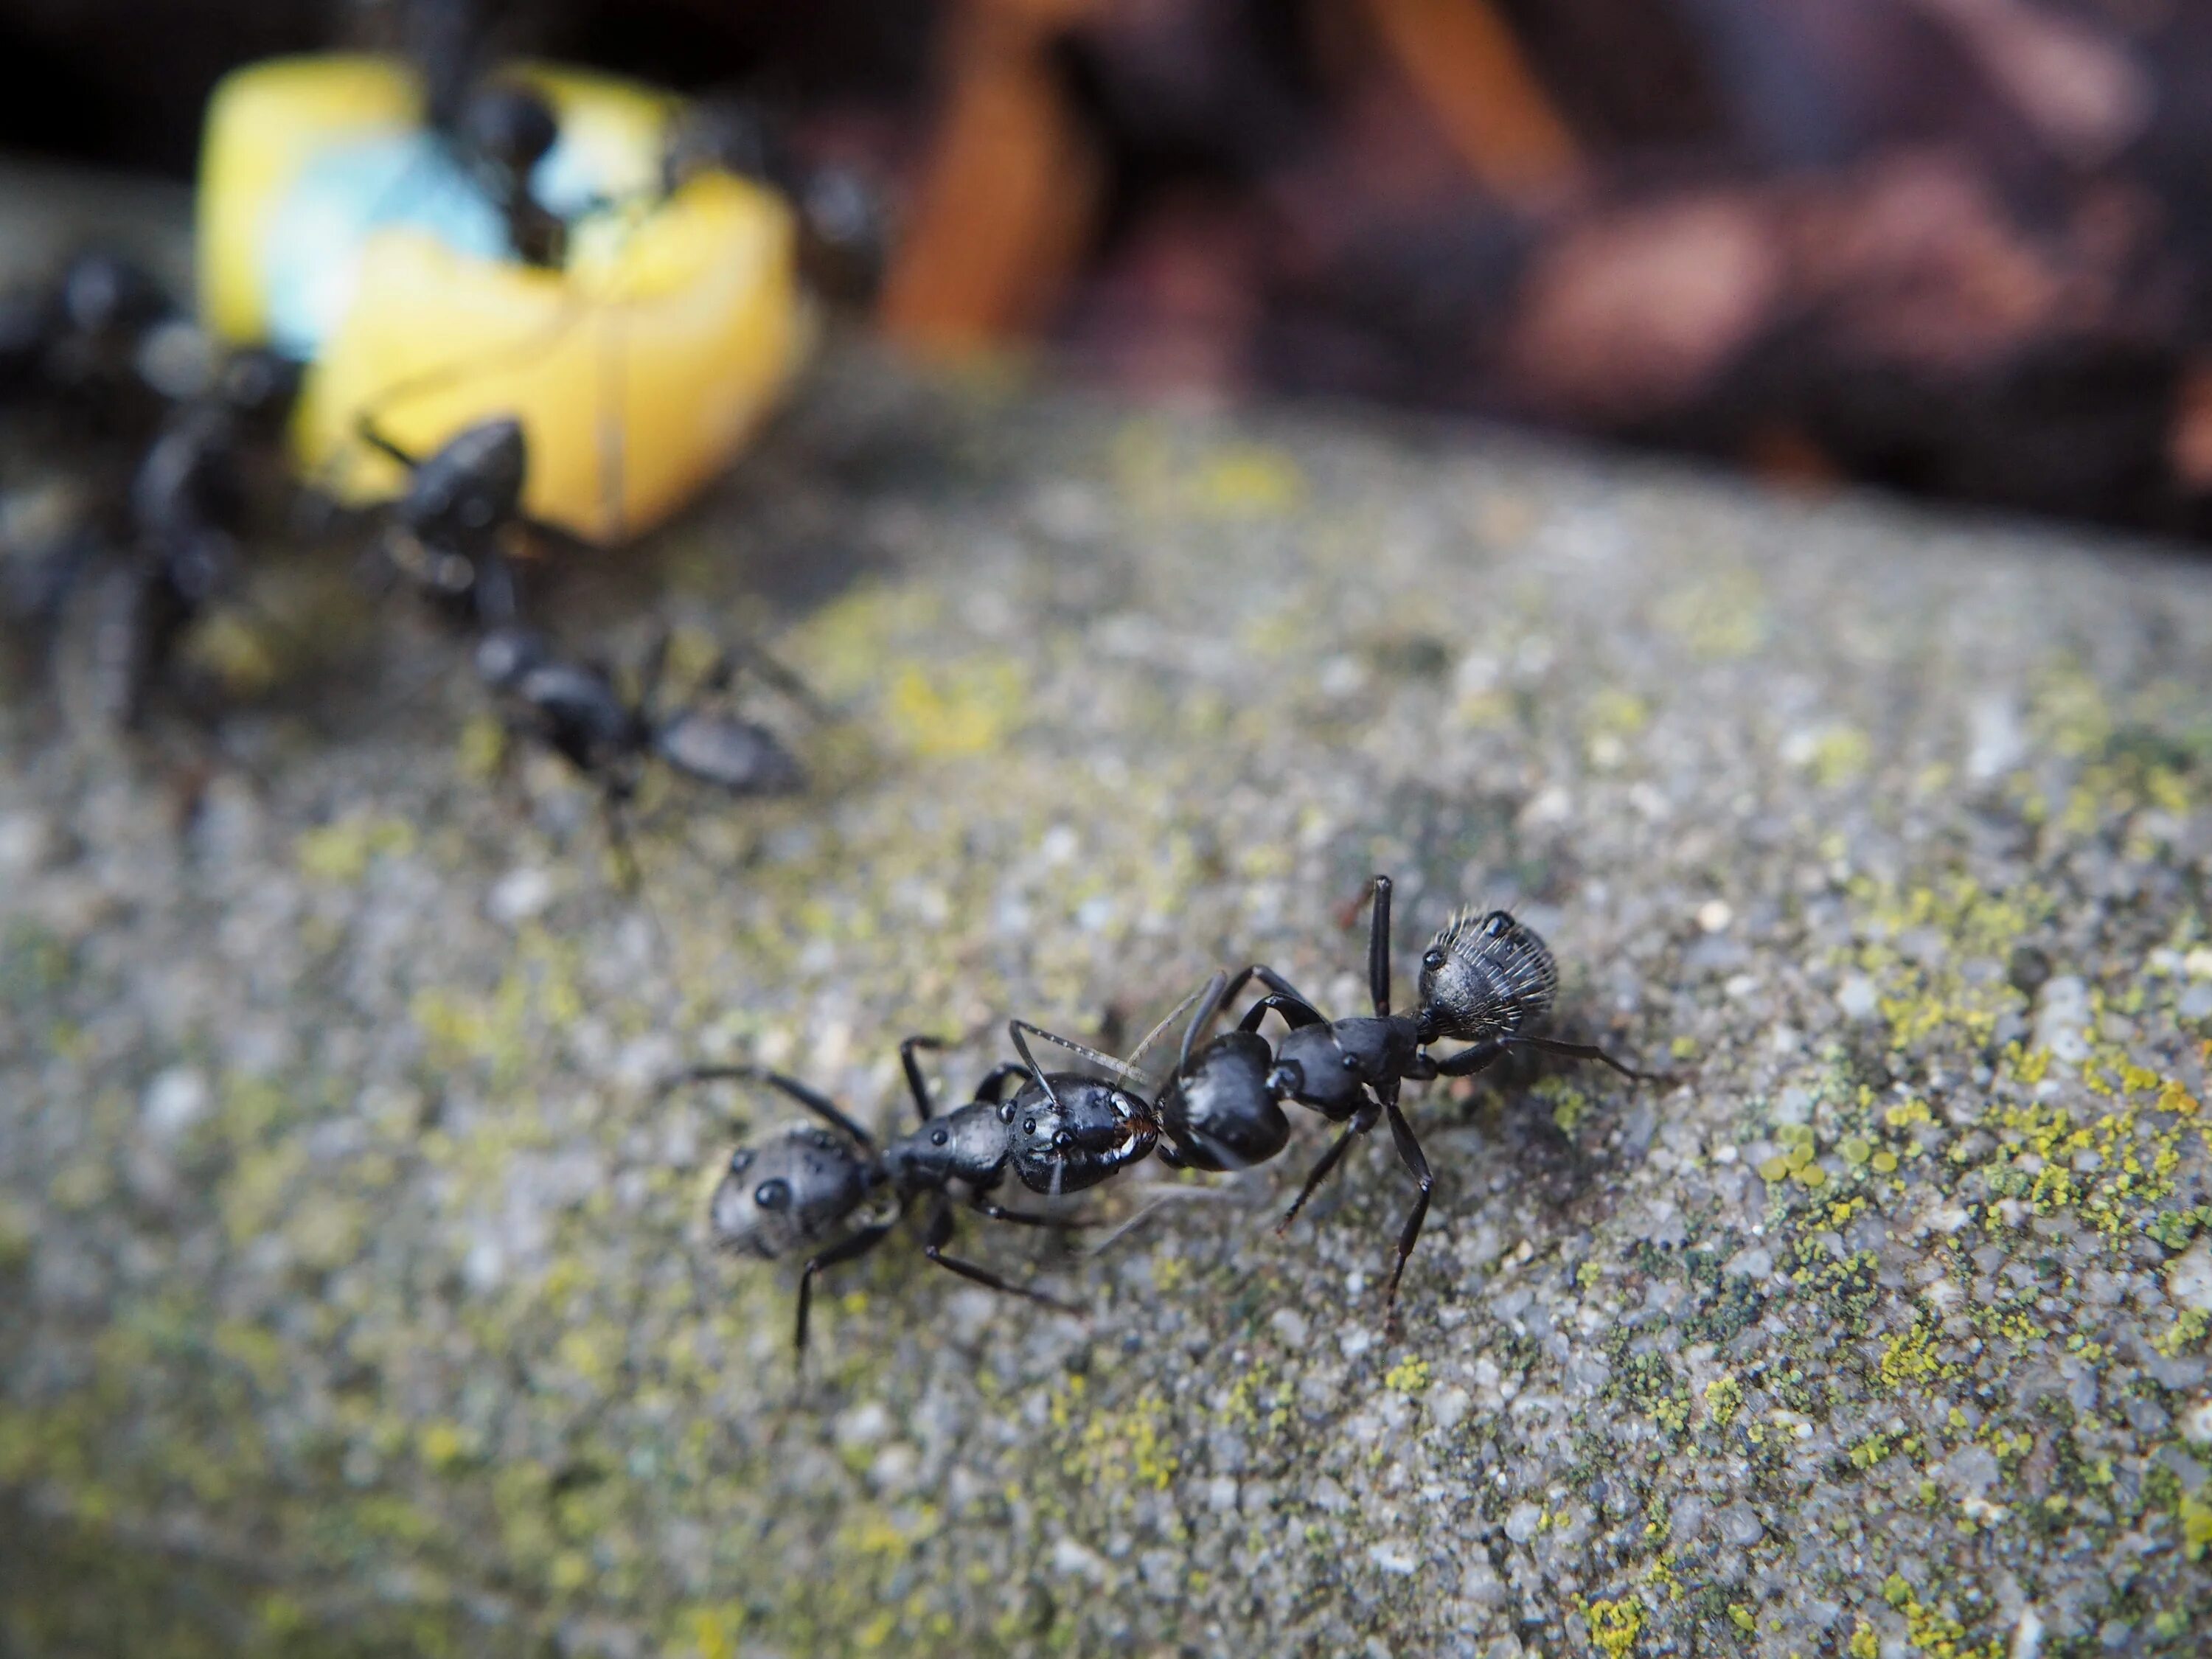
189	505
804	1191
447	535
497	128
80	342
573	710
1484	979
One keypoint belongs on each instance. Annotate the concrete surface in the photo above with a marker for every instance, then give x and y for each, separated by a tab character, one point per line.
353	1290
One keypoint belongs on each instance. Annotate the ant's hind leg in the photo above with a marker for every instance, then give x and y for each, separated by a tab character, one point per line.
1409	1151
1329	1160
819	1104
858	1245
940	1233
1586	1051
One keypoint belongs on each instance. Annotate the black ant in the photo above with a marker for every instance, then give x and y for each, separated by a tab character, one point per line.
496	128
802	1191
573	708
1483	979
81	342
189	503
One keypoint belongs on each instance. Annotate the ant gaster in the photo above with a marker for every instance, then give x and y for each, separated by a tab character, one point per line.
800	1193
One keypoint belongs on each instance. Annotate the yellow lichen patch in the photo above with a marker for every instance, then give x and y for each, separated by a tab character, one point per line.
1932	1631
1116	1451
1723	1400
341	851
1950	924
1408	1376
967	708
1909	1358
1615	1626
1841	755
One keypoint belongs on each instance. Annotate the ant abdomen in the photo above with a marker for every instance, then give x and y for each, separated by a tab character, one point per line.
1485	977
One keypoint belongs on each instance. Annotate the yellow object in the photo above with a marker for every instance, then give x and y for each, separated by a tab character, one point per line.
264	125
637	373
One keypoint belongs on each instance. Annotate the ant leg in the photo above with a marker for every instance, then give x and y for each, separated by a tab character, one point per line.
1585	1051
618	840
1295	1012
1320	1173
1409	1152
993	1089
914	1080
984	1207
820	1105
858	1245
650	675
1378	947
748	655
940	1233
366	428
1216	993
1467	1061
1268	977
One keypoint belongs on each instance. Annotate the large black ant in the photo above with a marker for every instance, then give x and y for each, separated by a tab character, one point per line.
1484	979
802	1192
1062	1132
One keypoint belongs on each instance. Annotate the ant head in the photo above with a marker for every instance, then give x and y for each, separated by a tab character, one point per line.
1484	976
510	126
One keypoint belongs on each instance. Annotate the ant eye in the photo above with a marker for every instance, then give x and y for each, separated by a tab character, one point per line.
1500	924
1029	1126
937	1137
1007	1113
1351	1062
773	1194
1063	1140
741	1160
1432	959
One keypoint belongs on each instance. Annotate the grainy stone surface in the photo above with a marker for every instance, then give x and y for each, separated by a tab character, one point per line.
353	1290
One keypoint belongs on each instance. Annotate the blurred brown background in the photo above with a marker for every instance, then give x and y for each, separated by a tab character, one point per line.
1956	247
